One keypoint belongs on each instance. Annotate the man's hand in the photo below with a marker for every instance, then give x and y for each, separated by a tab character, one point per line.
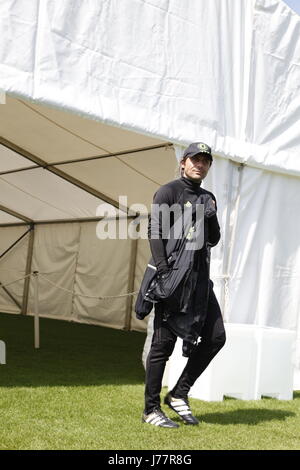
209	206
162	275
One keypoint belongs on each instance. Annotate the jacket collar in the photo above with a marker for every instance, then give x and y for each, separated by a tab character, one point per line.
189	183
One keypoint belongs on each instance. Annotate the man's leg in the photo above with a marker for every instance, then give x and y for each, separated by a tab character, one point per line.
162	346
212	340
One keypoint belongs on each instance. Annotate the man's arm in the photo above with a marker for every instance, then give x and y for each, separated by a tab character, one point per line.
155	235
213	230
214	234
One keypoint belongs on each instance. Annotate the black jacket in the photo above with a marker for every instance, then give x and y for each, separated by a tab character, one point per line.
177	278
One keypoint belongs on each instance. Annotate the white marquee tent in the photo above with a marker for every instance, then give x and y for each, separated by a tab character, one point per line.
98	97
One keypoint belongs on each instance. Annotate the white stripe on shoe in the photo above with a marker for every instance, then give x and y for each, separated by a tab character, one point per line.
183	413
182	410
154	419
158	418
178	402
181	407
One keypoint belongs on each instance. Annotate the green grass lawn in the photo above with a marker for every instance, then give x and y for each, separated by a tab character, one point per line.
83	389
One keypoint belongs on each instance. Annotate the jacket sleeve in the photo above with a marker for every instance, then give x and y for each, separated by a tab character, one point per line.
214	234
156	236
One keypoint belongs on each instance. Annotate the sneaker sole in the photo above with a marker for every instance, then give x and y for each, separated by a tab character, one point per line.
160	426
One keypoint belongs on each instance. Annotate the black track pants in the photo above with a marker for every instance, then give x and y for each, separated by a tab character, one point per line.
163	342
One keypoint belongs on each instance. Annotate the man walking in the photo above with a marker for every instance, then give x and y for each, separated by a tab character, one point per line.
177	282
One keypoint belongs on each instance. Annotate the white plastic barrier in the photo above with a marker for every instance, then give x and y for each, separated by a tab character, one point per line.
275	368
296	385
255	361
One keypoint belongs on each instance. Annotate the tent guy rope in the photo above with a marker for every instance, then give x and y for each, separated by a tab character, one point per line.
36	275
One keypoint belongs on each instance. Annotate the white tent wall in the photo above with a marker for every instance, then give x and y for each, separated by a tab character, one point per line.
274	99
256	266
71	260
265	269
55	253
102	270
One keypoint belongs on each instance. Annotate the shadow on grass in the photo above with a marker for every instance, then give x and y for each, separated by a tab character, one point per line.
70	354
250	416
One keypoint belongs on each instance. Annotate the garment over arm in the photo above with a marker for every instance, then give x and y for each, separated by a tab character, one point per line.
168	195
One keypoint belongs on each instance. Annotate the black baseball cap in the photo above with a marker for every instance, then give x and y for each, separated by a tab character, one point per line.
197	148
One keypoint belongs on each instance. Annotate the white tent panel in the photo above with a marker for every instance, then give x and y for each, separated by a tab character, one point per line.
55	257
55	135
71	260
35	133
41	195
10	160
274	105
222	180
118	74
156	165
6	218
12	267
105	139
127	175
266	257
18	20
255	267
102	270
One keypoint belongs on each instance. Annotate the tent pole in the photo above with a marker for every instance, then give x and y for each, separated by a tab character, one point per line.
69	221
87	159
16	224
36	310
28	271
130	287
2	352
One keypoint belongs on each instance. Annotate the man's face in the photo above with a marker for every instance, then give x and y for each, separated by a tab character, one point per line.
196	168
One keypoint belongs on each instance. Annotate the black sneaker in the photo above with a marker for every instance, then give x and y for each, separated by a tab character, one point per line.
181	407
158	418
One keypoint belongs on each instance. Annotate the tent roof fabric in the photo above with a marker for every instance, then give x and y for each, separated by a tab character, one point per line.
107	160
137	75
139	96
6	218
